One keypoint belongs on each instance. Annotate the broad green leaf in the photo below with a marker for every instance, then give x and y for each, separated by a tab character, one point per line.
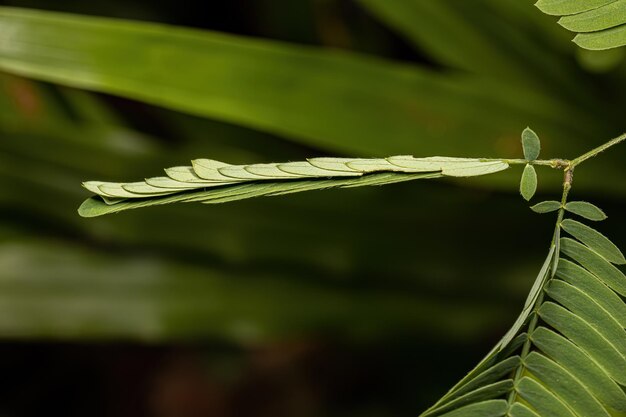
570	7
210	181
587	309
442	27
541	399
605	17
594	240
586	210
595	264
275	87
562	383
460	34
546	207
528	184
581	366
600	24
587	338
594	288
602	40
530	144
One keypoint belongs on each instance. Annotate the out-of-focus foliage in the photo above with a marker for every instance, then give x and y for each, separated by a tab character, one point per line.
375	78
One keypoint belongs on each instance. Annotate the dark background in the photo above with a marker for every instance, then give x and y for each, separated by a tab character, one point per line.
355	303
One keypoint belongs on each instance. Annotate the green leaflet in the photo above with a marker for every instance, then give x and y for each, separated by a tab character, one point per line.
520	410
594	240
594	288
586	210
562	383
587	338
600	24
587	309
210	181
575	367
596	264
569	7
581	366
484	392
606	17
546	207
528	184
602	40
542	399
530	144
488	377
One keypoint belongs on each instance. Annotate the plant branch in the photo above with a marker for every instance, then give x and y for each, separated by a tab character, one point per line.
597	151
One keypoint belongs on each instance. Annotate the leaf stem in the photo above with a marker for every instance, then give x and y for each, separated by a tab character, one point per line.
597	151
553	163
532	325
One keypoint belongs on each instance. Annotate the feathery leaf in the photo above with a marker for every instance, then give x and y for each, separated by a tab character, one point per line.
208	181
573	362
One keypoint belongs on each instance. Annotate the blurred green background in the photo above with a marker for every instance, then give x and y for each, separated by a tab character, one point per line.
355	303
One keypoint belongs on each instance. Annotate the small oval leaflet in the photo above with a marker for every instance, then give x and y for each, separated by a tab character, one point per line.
546	207
531	144
528	185
586	210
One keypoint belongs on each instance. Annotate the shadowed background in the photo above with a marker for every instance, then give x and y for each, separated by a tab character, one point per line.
355	303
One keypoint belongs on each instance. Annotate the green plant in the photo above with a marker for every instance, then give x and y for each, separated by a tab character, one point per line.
600	24
533	367
565	354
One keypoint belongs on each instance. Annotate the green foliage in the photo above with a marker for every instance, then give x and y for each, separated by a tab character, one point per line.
600	24
572	363
563	356
211	182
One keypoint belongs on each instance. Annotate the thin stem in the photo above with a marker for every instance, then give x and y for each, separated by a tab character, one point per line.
532	325
563	164
554	163
597	150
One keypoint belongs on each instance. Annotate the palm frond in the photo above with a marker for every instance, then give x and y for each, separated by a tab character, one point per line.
208	181
599	24
566	354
